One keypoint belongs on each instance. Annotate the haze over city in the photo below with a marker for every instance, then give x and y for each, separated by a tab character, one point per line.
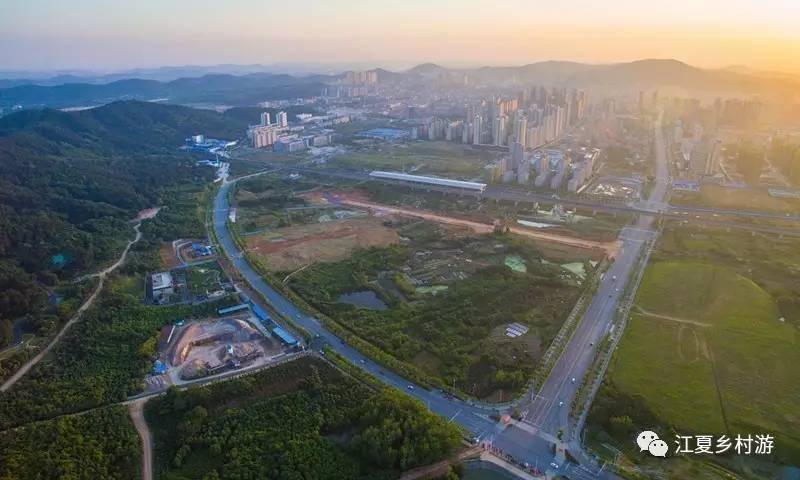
47	34
406	239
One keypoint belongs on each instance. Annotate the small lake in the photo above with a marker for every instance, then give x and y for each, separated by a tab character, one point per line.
363	299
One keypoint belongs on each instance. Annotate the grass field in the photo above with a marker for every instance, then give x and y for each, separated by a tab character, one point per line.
438	158
707	354
714	196
204	278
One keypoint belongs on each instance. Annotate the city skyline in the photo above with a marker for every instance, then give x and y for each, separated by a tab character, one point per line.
44	35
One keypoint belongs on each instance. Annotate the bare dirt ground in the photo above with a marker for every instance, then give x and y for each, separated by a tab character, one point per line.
290	248
609	248
167	255
137	416
210	344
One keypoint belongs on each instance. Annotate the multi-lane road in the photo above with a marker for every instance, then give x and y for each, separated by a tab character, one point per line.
546	412
523	443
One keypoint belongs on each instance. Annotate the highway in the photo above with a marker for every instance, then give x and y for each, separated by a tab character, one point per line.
523	443
473	418
649	207
548	410
546	413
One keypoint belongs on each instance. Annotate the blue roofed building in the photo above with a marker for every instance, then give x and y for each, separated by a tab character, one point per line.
284	336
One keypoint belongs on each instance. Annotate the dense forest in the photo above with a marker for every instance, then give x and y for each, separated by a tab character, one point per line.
70	182
98	445
300	420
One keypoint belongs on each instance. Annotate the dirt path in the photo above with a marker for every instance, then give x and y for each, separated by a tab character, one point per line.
136	410
88	303
610	248
670	318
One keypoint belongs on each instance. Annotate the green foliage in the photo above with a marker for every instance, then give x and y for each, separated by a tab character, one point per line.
300	420
69	183
449	330
393	427
102	359
101	444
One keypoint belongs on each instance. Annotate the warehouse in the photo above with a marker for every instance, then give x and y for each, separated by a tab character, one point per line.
442	182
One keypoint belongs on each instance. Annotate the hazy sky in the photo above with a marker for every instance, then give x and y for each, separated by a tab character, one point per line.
110	34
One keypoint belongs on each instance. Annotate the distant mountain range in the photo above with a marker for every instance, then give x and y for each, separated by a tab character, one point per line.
641	74
225	89
239	85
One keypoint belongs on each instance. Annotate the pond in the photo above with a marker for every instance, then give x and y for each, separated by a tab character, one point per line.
363	299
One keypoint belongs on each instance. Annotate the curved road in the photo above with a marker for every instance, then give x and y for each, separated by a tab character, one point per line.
532	439
88	303
474	418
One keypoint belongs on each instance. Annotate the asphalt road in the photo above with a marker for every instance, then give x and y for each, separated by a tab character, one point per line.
529	441
473	418
548	410
649	207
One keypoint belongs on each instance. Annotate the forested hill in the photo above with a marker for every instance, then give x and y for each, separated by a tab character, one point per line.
70	181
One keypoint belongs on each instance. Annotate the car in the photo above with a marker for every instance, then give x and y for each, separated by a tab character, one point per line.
561	403
363	361
573	379
591	344
554	465
616	289
410	387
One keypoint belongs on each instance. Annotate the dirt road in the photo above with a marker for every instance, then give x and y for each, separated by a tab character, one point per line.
610	248
136	410
88	303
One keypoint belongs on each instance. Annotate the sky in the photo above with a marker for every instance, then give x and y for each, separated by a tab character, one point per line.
108	35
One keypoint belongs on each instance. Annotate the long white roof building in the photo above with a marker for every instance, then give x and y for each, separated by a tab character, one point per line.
445	182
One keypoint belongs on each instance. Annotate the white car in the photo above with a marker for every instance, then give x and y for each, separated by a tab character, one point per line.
561	404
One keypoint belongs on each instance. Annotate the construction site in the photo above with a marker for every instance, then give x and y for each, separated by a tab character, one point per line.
196	349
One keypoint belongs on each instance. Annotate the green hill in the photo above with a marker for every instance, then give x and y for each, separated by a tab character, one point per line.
69	182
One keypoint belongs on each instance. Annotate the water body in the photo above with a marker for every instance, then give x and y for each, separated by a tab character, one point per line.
363	299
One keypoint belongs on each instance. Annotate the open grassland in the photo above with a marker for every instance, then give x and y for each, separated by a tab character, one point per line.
445	159
714	196
773	263
704	353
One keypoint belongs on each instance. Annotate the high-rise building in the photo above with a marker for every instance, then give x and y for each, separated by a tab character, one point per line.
263	135
499	130
521	128
265	118
283	119
477	130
